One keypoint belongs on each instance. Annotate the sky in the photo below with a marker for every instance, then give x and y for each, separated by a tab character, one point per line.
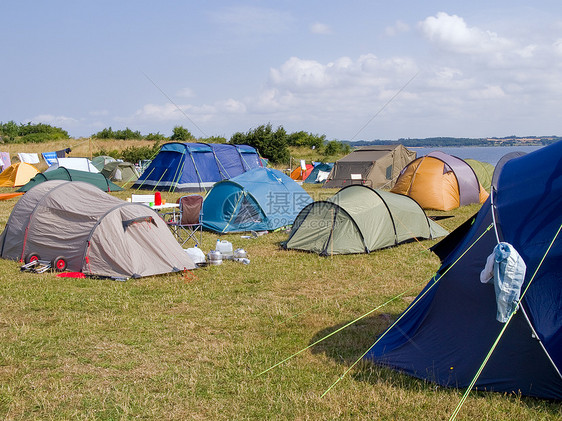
353	70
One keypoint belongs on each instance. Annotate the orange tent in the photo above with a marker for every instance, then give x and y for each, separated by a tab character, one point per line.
17	174
299	174
440	181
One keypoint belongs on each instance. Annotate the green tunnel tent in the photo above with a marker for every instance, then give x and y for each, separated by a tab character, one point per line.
359	219
62	173
484	172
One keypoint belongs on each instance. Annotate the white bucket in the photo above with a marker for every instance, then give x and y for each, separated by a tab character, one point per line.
225	247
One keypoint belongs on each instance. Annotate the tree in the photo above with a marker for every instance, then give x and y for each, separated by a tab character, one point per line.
181	134
334	147
10	130
270	144
305	139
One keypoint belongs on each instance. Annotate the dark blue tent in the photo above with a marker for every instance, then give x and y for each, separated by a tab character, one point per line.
445	336
196	166
260	199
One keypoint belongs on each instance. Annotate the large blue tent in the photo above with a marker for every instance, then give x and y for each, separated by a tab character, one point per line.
257	200
196	166
445	335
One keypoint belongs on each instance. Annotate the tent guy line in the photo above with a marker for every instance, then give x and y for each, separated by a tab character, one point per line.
384	106
175	105
496	342
418	299
370	312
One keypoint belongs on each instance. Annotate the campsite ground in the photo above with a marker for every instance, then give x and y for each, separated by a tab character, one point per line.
192	346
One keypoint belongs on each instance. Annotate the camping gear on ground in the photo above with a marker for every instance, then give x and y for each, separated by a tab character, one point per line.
80	164
196	254
258	200
225	247
240	254
36	265
376	166
358	219
214	257
484	172
440	181
96	179
449	329
193	167
94	232
120	171
186	224
320	172
17	174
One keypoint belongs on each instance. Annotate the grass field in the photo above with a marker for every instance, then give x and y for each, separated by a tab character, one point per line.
191	346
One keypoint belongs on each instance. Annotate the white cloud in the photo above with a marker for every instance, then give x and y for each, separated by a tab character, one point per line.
486	93
397	28
231	106
56	120
451	33
320	28
299	75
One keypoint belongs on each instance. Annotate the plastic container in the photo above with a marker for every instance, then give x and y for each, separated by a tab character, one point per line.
225	247
157	198
196	254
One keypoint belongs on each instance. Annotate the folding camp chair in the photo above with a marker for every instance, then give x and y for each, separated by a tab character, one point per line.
186	224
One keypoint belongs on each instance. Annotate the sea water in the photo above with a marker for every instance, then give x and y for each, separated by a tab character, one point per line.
490	154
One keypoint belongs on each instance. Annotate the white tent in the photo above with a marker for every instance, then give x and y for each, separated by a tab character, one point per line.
81	164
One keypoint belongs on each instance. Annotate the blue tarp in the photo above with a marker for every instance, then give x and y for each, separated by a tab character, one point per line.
445	336
257	200
196	166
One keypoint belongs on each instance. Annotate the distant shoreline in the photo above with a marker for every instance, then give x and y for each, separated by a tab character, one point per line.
451	142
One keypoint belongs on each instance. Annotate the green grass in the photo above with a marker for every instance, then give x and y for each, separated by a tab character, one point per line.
191	347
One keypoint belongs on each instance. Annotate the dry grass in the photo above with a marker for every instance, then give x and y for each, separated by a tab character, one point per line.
175	347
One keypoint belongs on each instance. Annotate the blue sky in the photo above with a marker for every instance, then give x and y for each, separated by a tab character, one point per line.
350	70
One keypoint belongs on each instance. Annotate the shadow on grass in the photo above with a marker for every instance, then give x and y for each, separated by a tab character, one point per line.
347	346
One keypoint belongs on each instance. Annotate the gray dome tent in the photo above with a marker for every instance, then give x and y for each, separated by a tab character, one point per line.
358	219
96	233
120	171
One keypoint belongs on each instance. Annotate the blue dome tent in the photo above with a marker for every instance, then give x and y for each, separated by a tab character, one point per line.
192	167
324	167
257	200
446	333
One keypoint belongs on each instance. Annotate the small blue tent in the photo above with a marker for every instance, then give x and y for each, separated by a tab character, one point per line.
196	166
257	200
448	330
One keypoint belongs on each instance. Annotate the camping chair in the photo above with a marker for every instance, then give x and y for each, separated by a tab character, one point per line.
187	223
